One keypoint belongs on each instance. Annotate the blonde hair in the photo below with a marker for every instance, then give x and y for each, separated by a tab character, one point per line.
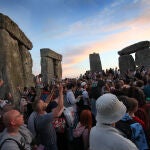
39	106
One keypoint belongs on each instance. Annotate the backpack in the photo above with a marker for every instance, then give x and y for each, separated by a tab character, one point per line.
20	145
124	126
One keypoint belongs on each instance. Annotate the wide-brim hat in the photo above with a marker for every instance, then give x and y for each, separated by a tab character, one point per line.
109	109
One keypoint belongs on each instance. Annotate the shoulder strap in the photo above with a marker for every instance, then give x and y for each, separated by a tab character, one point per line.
84	130
131	121
21	147
125	127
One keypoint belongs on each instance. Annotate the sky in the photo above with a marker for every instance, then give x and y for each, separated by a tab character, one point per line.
77	28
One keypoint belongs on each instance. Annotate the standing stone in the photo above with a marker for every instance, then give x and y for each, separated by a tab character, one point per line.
126	62
95	62
27	66
142	58
142	54
134	48
13	45
50	65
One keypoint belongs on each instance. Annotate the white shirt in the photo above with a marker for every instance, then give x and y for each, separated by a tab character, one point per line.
85	97
104	137
71	99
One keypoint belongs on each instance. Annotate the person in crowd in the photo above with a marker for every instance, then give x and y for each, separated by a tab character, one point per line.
24	93
119	87
96	91
70	97
38	85
71	101
139	84
131	125
104	135
43	122
34	114
30	101
132	107
85	95
82	131
15	136
78	92
147	90
138	94
59	123
5	108
23	99
5	93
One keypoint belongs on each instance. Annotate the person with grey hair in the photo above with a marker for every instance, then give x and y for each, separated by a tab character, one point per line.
104	135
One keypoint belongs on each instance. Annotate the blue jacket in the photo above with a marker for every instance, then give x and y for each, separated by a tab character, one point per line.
138	135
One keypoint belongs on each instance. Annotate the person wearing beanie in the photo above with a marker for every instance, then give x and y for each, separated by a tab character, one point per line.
104	135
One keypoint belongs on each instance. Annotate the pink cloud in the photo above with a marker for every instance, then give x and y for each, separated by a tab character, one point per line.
136	30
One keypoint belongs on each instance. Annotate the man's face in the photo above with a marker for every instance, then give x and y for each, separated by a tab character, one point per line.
17	119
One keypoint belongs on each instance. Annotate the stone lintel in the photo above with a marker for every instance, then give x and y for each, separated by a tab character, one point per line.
134	48
46	52
12	28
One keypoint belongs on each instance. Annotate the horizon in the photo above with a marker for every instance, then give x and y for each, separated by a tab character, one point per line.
77	28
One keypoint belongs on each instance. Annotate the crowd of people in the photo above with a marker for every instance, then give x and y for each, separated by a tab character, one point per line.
97	111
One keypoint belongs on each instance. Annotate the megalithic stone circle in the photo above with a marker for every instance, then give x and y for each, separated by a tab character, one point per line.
15	58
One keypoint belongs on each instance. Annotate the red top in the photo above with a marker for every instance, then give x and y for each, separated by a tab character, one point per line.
139	121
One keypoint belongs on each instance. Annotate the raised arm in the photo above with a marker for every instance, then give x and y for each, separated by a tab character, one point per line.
59	109
50	96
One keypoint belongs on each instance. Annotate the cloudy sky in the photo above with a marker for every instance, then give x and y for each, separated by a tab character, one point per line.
77	28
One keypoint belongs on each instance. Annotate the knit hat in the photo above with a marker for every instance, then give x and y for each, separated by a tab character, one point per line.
109	109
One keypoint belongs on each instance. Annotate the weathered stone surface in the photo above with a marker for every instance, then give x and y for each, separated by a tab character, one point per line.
142	58
27	66
50	65
10	63
47	69
134	48
59	68
95	62
45	52
126	62
11	27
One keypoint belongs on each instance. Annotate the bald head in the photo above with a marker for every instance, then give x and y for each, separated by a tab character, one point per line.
10	118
